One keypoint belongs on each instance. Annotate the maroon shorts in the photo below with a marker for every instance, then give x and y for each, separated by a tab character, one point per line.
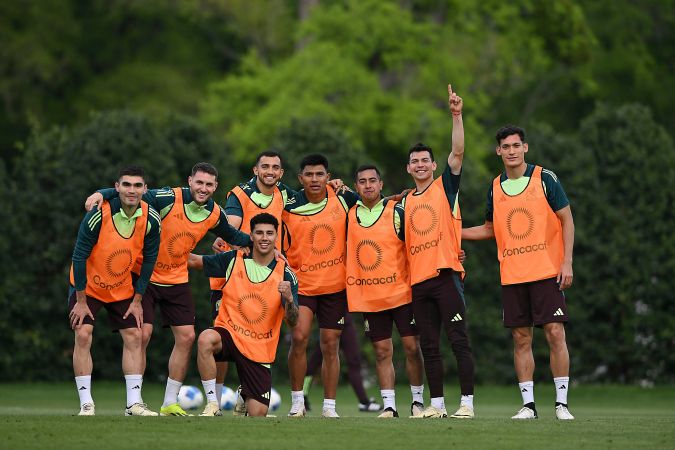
175	303
255	378
379	324
330	309
215	298
534	303
116	311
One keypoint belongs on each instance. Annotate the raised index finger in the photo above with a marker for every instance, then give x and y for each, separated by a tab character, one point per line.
449	89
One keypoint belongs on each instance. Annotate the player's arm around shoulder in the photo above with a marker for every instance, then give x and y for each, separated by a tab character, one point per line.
479	233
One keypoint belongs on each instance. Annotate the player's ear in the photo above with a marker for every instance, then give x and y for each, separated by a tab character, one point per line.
117	186
525	147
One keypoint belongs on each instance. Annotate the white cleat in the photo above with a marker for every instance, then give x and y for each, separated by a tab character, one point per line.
239	407
562	413
388	413
139	409
464	412
88	409
330	414
416	409
431	412
212	409
297	410
525	413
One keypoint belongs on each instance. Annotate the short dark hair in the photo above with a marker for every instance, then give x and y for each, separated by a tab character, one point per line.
264	218
365	167
132	171
314	160
420	147
269	154
206	168
507	131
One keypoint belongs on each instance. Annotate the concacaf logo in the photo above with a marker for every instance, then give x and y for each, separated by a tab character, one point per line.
247	308
423	219
118	262
322	239
368	255
181	244
520	223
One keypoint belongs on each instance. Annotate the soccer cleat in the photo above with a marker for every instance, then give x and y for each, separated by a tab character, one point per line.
330	414
139	409
525	413
371	406
211	410
388	413
297	410
173	410
88	409
416	409
239	407
561	412
464	412
431	412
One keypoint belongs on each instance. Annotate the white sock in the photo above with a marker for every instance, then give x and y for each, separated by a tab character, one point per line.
388	398
467	400
83	384
329	403
417	393
527	391
219	391
210	390
562	384
297	398
438	402
171	392
134	386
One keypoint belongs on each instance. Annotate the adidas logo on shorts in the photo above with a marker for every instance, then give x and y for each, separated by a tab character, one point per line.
558	312
366	325
457	318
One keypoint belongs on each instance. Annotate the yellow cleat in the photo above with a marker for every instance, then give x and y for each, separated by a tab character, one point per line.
173	410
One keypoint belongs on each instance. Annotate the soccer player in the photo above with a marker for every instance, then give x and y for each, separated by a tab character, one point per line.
378	285
433	227
529	215
187	213
262	193
108	242
258	293
314	235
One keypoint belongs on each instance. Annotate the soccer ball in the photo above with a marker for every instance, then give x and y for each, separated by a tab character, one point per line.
228	399
275	400
190	397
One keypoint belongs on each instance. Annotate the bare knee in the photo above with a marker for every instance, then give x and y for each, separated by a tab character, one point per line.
146	335
555	335
522	339
207	341
383	351
84	337
185	338
411	347
299	341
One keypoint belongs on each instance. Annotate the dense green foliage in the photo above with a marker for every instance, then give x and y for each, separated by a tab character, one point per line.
89	87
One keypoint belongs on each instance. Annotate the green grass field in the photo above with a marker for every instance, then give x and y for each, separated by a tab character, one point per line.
41	415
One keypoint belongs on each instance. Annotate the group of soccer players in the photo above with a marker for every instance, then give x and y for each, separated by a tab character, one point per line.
322	251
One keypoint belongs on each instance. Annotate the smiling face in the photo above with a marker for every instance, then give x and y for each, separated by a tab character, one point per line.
131	189
368	186
421	166
268	170
313	179
263	235
202	186
512	150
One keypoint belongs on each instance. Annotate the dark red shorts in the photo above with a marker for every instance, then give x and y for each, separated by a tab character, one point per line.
330	309
379	324
175	303
534	303
215	298
116	311
255	378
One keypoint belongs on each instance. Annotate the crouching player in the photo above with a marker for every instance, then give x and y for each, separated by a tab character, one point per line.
259	292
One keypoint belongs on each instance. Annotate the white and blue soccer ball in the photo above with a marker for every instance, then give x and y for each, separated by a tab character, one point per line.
190	397
275	400
228	399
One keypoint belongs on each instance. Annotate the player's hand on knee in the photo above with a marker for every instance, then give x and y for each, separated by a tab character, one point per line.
136	310
78	313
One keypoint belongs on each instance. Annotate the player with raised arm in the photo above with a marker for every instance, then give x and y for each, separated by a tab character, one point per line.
433	231
187	213
259	292
109	240
529	215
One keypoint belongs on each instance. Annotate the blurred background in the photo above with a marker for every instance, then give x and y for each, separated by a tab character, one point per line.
89	86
